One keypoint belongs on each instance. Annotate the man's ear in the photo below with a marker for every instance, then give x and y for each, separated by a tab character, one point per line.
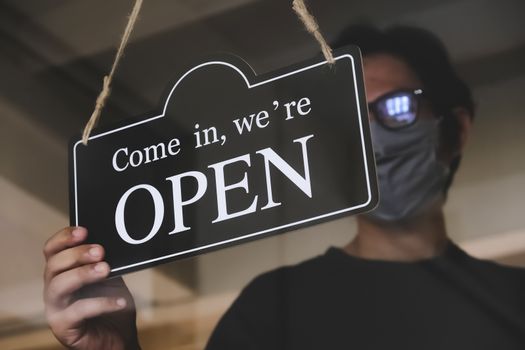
464	118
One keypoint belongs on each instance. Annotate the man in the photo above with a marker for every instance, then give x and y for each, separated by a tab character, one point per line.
401	283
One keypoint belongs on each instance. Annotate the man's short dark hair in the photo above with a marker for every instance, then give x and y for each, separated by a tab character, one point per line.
426	55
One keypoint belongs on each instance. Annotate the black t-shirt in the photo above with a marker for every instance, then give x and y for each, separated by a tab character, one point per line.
336	301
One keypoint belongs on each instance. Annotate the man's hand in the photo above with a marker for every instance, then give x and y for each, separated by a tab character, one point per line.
83	309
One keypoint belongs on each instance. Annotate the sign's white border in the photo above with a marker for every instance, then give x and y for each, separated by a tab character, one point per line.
249	86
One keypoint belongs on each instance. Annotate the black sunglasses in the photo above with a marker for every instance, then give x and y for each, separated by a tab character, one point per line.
396	109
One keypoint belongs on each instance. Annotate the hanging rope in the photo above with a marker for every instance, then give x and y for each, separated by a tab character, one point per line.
311	26
298	6
101	99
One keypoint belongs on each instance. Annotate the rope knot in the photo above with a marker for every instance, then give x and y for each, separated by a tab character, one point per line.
312	27
104	94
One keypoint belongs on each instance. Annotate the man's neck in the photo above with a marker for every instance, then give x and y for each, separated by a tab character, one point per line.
422	238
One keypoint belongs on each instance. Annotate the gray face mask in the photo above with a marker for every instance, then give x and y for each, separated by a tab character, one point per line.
410	177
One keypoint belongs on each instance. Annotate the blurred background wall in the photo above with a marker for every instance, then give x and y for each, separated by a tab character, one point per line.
54	53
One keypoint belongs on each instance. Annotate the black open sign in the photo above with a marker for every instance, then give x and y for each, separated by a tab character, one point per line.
231	157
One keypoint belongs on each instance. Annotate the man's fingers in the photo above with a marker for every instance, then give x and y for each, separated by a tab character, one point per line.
84	309
62	286
65	238
68	322
68	259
